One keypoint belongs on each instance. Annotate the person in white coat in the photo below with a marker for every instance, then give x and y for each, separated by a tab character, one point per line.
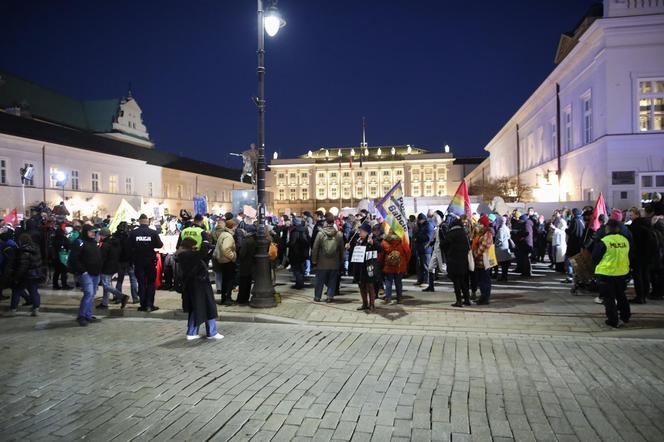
559	243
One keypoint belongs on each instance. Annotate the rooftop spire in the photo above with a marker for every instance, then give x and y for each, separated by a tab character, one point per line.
364	134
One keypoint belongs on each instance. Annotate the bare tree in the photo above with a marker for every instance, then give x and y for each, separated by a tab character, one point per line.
509	189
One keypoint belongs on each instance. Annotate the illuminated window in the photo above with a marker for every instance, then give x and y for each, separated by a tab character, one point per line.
359	174
293	194
321	193
113	184
282	194
373	191
359	191
651	105
51	174
180	191
305	193
416	190
304	175
74	179
372	173
586	104
94	182
386	173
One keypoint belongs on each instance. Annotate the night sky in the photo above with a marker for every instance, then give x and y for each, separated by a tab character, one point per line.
426	73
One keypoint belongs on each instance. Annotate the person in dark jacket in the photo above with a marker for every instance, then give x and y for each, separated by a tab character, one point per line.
60	253
456	247
197	295
422	238
246	264
642	254
26	273
298	251
143	243
524	245
125	264
575	237
366	270
85	261
110	254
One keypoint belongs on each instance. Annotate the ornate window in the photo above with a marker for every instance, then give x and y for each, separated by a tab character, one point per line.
651	105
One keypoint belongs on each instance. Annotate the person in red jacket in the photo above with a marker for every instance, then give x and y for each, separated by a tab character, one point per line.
394	259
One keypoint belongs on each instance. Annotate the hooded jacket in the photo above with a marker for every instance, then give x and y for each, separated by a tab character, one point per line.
85	257
224	249
110	255
391	243
318	258
27	265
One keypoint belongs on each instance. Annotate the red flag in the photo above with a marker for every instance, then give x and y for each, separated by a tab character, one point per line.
600	209
460	204
11	218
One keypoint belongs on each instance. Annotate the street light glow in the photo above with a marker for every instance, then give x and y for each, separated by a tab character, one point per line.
60	176
273	22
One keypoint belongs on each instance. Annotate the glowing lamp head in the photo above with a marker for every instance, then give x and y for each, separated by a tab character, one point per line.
273	21
447	148
275	156
60	176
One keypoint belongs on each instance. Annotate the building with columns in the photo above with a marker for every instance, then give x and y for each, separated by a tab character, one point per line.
596	123
103	149
343	176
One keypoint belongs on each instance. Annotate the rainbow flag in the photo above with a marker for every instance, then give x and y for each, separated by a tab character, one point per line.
394	215
460	204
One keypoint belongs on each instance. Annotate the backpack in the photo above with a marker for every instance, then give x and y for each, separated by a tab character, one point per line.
393	259
329	246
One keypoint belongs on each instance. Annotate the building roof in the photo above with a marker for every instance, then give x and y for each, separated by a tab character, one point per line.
470	160
374	153
46	104
52	133
569	39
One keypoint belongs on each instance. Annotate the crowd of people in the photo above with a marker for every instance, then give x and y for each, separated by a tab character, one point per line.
600	254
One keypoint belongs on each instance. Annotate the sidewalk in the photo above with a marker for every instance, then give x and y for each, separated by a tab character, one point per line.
540	305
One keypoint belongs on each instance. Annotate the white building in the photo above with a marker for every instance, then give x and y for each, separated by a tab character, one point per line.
343	176
596	123
104	150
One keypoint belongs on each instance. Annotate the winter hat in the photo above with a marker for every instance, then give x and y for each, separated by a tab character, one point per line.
366	227
485	221
228	216
492	217
617	215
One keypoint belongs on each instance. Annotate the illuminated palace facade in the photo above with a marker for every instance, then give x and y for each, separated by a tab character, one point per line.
342	177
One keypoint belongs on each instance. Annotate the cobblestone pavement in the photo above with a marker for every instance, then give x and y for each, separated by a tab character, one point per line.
538	305
138	379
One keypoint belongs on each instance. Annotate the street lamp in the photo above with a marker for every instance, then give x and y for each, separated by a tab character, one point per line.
263	292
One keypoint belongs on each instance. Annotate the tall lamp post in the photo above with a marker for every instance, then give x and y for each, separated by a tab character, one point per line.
263	293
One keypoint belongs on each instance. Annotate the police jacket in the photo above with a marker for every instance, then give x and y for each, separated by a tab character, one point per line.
142	244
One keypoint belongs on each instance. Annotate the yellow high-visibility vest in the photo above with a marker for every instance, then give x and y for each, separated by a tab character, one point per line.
615	261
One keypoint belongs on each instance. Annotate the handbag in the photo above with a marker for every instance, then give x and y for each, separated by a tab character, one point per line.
471	261
489	257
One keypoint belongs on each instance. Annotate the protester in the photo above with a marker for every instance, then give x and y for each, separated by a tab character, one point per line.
86	262
422	238
60	247
480	246
504	245
327	256
246	264
125	264
394	261
366	270
559	244
298	251
456	246
437	262
26	273
197	294
225	256
110	255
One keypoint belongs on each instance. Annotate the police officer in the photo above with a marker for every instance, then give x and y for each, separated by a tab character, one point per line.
611	257
197	232
142	243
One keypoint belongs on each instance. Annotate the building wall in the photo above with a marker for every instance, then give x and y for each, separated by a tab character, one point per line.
149	184
605	70
302	184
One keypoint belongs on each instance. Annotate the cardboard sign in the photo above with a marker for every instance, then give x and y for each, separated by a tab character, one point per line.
358	254
249	211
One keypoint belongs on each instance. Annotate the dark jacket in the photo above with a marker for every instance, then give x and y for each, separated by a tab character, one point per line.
298	245
362	268
60	242
26	265
110	255
575	236
197	294
422	237
85	257
456	246
142	244
246	255
122	238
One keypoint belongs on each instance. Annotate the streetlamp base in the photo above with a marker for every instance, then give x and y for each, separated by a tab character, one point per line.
263	292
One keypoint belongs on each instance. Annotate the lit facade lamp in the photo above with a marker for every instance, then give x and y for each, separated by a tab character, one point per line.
339	153
447	148
366	152
409	150
310	154
352	152
379	152
273	21
275	156
393	151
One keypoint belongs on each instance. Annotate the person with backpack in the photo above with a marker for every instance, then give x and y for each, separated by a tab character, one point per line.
298	251
394	261
26	273
456	246
327	256
197	294
224	257
110	254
